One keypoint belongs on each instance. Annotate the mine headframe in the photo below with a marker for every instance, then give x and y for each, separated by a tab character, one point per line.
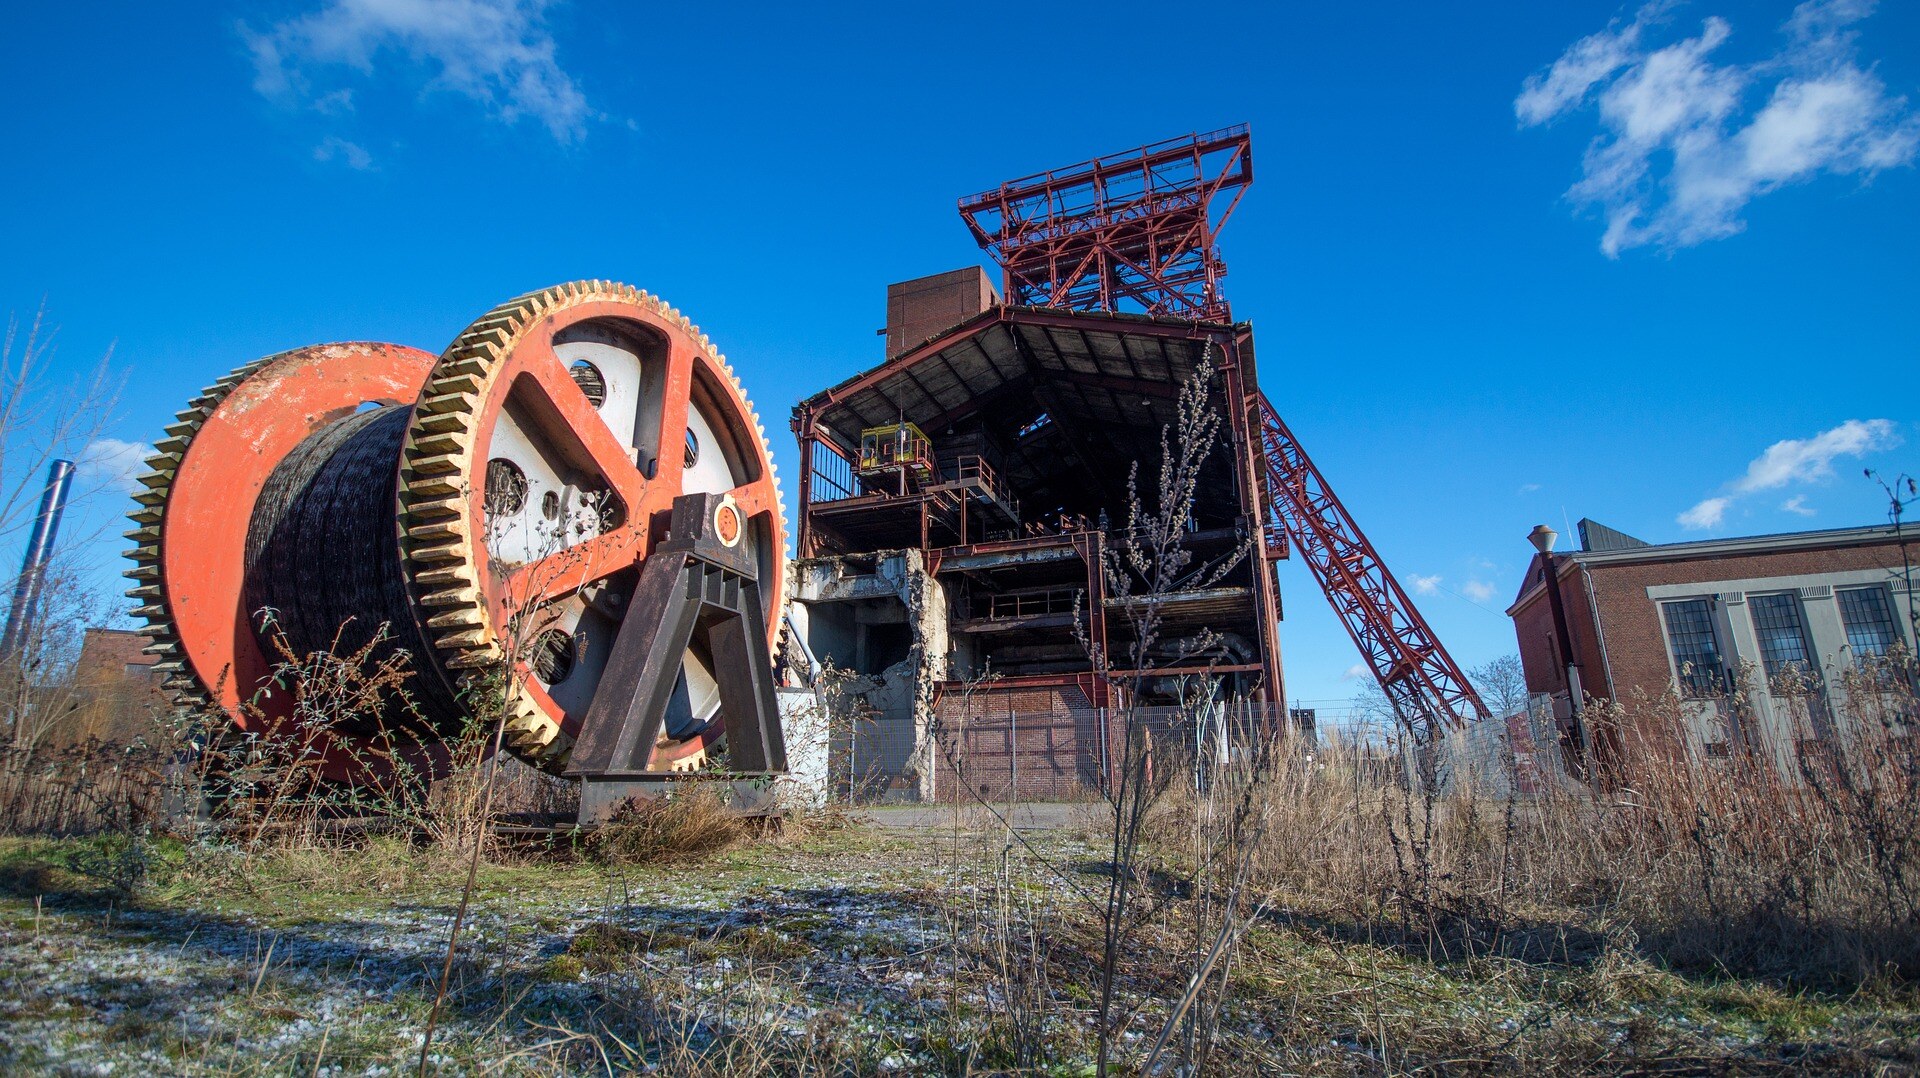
1137	232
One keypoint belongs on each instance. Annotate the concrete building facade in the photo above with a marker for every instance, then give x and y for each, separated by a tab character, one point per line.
957	506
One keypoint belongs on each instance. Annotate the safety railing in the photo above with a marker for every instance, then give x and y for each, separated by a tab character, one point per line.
829	474
901	445
974	471
1027	604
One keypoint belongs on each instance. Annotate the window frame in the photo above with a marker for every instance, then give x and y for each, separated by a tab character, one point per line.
1888	608
1808	664
1695	686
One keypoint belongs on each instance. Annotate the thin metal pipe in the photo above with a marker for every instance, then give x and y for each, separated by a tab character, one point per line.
33	567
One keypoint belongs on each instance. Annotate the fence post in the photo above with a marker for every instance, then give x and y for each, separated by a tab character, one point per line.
1013	755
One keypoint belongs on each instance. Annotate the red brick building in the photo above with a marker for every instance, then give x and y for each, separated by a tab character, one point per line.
117	698
1709	619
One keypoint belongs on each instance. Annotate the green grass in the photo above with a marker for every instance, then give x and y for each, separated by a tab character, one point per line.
571	958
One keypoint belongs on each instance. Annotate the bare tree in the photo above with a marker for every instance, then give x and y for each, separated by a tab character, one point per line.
42	416
1502	684
1147	563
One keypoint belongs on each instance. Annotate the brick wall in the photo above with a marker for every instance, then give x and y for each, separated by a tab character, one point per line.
922	307
1635	647
119	698
1539	655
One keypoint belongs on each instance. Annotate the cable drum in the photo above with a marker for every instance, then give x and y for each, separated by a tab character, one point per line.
513	485
323	558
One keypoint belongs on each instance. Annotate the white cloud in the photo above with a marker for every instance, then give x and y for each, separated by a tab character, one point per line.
1795	460
1708	514
347	153
113	464
1477	590
1529	488
1800	460
1588	61
1355	673
1686	142
496	52
1424	585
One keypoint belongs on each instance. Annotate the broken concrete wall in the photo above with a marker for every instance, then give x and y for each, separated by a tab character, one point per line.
855	612
806	731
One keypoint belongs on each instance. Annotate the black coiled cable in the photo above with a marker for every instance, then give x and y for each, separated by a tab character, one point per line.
323	556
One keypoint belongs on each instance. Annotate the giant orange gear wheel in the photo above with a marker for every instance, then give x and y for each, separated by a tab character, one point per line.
585	409
494	503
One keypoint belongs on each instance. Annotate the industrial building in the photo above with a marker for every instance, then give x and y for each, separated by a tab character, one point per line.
1755	633
959	502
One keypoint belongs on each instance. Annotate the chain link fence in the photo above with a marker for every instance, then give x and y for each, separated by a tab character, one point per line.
1072	754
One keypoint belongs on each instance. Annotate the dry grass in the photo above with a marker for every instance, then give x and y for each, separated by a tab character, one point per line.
80	789
1725	865
692	824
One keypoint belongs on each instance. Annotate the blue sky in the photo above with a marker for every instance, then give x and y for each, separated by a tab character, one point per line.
1527	262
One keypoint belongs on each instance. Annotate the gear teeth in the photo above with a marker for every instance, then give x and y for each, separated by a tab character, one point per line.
460	641
453	597
432	554
442	422
453	442
445	464
474	659
439	469
432	486
182	684
462	403
436	510
464	616
444	532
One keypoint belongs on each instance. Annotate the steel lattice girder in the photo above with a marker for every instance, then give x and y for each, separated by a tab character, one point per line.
1420	678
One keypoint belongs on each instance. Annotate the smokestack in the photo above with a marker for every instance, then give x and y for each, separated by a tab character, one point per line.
33	568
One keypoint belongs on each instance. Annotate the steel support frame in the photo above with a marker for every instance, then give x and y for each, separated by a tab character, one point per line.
1247	471
1058	238
699	582
1139	226
1426	687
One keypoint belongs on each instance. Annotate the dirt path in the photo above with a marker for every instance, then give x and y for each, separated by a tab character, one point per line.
1031	816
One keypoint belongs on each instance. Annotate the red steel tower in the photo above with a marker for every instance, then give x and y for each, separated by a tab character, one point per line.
1130	232
1136	232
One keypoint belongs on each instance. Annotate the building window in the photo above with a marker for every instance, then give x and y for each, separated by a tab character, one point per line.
1868	618
1783	639
1696	654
